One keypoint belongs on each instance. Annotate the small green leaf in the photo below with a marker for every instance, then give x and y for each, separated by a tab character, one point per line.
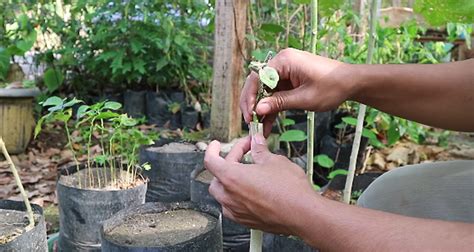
350	120
72	102
174	107
302	1
4	63
63	116
146	166
53	79
100	159
337	172
107	115
293	136
269	76
274	28
369	134
38	126
393	134
112	105
162	62
287	122
53	101
81	111
27	43
324	160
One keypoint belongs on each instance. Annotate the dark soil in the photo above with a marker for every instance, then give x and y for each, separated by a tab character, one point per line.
161	229
205	176
12	224
100	179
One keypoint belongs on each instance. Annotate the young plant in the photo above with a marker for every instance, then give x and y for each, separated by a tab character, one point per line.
116	134
288	136
24	195
268	80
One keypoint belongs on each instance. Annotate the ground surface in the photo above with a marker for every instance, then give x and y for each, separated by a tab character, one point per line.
38	166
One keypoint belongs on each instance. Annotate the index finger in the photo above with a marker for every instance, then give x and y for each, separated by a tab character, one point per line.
213	162
248	96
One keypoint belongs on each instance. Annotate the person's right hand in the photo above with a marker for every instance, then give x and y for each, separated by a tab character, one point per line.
307	81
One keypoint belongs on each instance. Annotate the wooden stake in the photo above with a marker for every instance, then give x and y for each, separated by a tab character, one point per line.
310	118
29	211
231	17
362	108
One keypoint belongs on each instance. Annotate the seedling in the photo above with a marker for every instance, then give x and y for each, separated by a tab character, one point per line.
268	80
24	195
117	135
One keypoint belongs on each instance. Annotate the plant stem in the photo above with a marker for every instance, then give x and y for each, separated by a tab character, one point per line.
29	211
310	129
256	236
69	142
362	108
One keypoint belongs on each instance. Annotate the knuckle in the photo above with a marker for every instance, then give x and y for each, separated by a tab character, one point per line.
285	52
280	100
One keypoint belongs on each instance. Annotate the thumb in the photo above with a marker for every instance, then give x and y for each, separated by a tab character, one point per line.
281	100
259	149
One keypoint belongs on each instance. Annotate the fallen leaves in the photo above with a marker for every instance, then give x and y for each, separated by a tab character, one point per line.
406	153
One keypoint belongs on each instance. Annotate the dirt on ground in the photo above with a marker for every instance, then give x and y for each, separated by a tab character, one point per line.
161	229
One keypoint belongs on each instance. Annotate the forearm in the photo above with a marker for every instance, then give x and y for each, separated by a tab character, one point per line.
333	226
440	95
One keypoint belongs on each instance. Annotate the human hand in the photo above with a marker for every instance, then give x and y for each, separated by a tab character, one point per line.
307	81
266	195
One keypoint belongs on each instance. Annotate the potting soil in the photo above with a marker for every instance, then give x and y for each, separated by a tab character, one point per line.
12	224
161	229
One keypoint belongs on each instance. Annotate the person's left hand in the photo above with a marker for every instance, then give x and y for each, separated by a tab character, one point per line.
265	195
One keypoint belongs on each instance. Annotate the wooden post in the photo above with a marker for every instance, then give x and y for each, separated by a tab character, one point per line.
231	18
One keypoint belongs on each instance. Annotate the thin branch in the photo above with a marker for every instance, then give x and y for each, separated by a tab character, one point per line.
23	193
362	108
310	124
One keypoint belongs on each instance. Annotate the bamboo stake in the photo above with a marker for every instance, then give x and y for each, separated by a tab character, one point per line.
256	236
362	108
29	211
310	118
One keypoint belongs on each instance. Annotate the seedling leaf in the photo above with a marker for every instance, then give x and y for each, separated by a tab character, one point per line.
269	77
72	102
293	136
337	172
81	111
53	101
324	160
350	120
112	105
287	122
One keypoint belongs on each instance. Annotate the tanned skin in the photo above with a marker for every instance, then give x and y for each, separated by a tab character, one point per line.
274	194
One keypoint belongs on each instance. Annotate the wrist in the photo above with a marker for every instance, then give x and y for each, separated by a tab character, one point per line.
309	214
358	80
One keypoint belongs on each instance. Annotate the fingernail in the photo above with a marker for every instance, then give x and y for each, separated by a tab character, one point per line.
258	138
